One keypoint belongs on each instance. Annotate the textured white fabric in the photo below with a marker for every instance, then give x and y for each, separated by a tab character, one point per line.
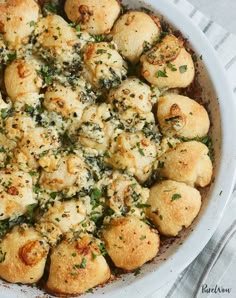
215	268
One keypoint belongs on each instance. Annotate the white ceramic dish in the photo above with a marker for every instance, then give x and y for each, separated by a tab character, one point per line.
222	113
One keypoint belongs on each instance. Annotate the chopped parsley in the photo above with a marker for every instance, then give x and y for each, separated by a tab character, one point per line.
171	66
161	74
29	109
175	196
32	173
83	263
30	209
102	249
74	273
11	57
77	28
36	189
96	194
143	237
32	23
99	38
93	255
137	271
106	154
140	150
6	113
53	195
46	73
160	164
89	291
133	185
101	51
183	68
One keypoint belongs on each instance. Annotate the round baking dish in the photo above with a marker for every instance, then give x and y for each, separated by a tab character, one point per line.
175	257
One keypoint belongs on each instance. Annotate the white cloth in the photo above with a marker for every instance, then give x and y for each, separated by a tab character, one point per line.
215	268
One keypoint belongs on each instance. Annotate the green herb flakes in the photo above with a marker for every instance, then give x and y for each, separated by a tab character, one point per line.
171	66
137	271
183	68
83	263
161	74
175	196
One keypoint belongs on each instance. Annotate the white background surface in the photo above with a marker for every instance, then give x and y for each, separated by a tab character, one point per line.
221	11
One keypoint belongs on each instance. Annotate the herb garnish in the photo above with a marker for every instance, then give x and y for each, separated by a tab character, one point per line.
161	74
183	68
175	196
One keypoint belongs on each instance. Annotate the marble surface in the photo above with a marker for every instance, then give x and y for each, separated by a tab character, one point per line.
221	11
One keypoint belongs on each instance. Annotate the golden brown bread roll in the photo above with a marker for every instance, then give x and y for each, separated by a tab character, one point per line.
125	193
188	162
76	267
95	17
23	255
180	116
132	100
18	126
35	145
66	101
131	93
16	193
104	66
134	31
56	40
130	242
17	21
21	79
62	173
135	153
173	205
95	131
65	215
168	64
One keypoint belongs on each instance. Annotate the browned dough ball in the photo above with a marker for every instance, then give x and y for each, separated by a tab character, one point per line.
95	17
104	66
76	267
23	255
173	205
180	116
131	93
133	32
168	64
17	21
21	79
135	153
130	242
188	162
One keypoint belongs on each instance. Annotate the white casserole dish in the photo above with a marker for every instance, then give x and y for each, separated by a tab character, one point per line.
173	259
